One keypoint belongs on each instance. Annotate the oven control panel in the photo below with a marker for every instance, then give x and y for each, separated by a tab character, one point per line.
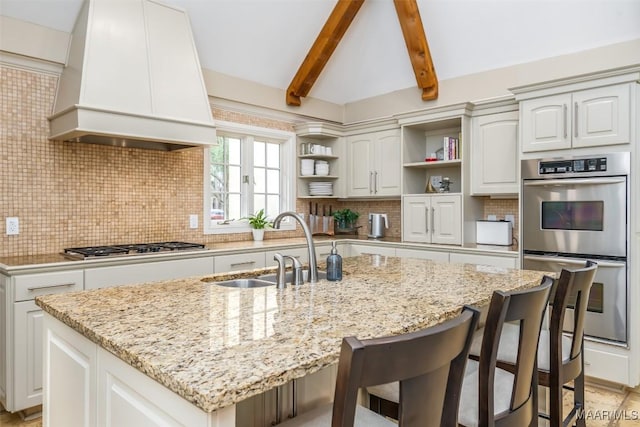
595	164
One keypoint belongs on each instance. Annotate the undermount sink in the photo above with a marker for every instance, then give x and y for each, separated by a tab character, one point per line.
289	274
245	283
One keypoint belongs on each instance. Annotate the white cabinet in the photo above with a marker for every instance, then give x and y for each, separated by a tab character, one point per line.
495	154
22	331
28	354
29	286
301	254
116	275
69	377
432	219
422	254
324	250
356	249
86	385
374	164
586	118
127	397
604	362
239	262
492	260
4	331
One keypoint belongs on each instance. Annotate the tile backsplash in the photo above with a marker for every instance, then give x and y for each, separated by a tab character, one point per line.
502	207
70	194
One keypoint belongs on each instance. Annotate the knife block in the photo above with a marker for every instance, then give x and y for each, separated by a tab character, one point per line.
321	225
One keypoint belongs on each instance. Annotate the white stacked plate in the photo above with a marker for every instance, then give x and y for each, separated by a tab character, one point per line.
321	188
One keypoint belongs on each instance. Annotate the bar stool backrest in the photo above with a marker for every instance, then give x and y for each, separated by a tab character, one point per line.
527	308
429	364
572	283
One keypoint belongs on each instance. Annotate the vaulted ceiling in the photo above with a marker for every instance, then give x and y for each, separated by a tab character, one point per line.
266	41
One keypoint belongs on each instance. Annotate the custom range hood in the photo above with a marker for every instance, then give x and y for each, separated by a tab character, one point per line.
132	79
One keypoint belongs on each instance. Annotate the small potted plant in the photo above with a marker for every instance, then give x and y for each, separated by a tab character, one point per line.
345	219
258	223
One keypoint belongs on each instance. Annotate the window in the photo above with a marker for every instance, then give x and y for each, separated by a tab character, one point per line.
250	169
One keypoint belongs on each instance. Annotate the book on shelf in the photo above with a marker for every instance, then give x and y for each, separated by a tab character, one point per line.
451	148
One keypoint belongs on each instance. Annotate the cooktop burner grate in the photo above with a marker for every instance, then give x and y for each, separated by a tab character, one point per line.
129	249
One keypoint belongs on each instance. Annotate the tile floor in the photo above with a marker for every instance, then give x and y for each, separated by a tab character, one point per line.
608	408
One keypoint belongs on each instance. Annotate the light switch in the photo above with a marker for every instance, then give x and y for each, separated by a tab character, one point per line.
193	221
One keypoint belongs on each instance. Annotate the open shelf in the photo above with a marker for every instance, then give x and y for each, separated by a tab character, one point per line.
318	177
318	156
433	165
331	140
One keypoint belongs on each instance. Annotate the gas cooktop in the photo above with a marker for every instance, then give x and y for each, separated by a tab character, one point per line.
132	249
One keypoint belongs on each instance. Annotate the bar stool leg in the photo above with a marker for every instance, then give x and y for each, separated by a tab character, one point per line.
578	396
555	401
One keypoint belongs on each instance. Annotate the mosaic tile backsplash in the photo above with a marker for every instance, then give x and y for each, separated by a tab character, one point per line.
69	194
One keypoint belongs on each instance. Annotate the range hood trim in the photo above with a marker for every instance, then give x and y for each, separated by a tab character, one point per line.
95	125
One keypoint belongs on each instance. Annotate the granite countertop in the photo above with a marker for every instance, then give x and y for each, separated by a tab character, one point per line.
216	346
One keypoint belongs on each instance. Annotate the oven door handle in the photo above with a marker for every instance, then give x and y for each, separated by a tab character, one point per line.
576	181
573	261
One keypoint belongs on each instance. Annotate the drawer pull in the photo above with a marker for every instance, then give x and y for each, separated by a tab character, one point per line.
62	285
235	264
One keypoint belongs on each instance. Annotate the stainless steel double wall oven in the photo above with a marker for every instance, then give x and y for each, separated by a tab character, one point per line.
574	209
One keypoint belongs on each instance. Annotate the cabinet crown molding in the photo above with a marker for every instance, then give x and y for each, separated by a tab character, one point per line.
433	114
584	81
319	129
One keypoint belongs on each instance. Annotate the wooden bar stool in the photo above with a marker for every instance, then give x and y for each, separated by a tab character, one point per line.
560	357
492	396
428	365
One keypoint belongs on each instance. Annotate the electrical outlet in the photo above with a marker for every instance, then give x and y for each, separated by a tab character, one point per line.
193	221
492	218
13	225
511	218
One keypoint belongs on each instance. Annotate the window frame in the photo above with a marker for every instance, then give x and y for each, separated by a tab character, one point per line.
287	168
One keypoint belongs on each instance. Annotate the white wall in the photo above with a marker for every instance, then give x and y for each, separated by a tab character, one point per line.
495	83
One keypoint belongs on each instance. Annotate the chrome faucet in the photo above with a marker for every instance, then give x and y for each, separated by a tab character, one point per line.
313	264
280	275
296	277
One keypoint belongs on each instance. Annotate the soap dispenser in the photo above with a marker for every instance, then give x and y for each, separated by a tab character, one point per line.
334	264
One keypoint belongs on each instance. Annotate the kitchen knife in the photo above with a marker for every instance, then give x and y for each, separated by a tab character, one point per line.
331	221
325	219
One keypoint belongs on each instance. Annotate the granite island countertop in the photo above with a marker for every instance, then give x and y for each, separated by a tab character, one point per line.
216	346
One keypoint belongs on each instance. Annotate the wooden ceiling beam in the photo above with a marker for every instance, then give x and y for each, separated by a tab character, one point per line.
418	48
319	54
